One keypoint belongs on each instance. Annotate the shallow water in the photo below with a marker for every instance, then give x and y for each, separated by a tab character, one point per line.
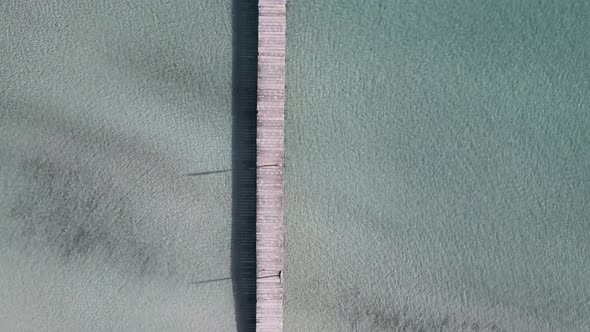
105	106
437	172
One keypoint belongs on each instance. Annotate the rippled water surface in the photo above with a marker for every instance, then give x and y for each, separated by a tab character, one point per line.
438	171
105	106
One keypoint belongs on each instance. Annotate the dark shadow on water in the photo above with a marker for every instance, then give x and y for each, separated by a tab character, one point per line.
209	172
201	282
243	248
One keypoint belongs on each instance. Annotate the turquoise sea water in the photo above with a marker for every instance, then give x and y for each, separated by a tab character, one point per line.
438	166
437	170
105	106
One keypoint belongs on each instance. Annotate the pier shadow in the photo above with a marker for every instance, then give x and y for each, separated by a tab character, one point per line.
243	247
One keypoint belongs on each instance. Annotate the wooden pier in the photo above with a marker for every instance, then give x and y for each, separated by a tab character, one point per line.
270	160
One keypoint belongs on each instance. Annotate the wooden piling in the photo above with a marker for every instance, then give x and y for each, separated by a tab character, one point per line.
270	150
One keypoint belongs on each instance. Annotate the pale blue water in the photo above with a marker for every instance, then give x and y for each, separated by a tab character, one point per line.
438	166
105	106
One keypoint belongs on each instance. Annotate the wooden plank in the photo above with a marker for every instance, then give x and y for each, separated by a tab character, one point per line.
270	150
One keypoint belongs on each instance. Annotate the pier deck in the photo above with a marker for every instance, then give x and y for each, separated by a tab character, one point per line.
270	161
